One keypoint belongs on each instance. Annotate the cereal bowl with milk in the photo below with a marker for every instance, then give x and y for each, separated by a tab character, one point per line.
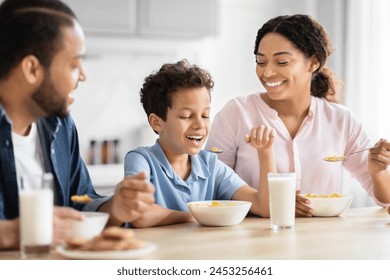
328	205
91	226
219	213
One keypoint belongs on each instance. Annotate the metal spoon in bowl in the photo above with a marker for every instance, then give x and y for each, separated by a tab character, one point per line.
341	158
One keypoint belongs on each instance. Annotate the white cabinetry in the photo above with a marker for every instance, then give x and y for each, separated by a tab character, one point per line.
186	18
102	17
171	18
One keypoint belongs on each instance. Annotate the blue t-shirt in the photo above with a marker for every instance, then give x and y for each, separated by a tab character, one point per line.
210	178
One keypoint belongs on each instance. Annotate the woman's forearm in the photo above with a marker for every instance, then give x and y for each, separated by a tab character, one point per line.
381	183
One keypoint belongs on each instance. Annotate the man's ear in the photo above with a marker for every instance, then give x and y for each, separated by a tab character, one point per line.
155	122
32	69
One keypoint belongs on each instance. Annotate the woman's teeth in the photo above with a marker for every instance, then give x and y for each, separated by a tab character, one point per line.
274	84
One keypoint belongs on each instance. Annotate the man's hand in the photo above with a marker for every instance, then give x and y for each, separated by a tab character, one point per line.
62	223
133	196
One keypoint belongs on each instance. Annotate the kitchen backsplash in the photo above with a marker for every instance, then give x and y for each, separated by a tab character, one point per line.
107	105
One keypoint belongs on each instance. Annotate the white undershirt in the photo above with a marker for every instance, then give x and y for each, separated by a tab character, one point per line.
28	154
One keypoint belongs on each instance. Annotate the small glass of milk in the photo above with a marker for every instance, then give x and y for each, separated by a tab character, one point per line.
281	188
36	214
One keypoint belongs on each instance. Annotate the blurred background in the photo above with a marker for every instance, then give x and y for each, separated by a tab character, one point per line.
128	39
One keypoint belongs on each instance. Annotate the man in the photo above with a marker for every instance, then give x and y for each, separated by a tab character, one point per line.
41	50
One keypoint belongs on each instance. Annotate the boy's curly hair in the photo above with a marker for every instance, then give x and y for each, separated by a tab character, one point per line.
158	88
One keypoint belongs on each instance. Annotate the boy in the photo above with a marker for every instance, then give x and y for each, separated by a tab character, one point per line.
176	100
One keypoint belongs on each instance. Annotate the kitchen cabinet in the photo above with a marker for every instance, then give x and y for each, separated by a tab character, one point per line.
185	18
146	18
102	17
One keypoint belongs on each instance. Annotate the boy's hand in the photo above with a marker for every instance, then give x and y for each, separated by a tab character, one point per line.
261	138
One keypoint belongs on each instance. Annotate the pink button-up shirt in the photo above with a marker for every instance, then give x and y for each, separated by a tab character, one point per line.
329	129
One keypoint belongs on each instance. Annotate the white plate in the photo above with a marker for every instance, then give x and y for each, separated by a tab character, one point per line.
107	255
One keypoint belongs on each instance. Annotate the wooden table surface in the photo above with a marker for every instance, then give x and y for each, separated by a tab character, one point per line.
359	234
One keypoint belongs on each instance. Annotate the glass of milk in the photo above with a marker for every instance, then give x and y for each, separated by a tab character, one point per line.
36	214
281	188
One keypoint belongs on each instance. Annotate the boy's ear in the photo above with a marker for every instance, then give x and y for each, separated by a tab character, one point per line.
32	69
155	122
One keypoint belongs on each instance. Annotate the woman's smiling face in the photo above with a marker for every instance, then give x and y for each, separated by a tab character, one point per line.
282	68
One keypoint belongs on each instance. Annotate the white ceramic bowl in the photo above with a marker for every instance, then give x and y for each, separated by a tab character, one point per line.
92	225
219	212
329	206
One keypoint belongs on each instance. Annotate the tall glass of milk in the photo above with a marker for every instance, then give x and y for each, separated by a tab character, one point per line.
36	214
281	189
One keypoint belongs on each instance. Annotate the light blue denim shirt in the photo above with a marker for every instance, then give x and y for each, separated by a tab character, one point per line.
210	178
61	153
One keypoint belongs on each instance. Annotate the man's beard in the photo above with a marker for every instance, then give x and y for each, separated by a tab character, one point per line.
50	100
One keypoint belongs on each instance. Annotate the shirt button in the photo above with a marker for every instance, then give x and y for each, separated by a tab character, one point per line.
52	151
7	142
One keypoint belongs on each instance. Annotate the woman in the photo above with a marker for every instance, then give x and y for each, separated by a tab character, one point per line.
300	104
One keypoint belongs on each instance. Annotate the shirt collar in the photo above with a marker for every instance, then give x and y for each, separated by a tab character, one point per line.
198	167
312	107
3	115
162	159
52	123
274	113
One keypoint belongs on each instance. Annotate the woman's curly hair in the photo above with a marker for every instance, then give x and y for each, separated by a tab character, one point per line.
312	39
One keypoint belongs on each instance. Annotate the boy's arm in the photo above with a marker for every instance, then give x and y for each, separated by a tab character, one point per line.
267	165
261	138
160	216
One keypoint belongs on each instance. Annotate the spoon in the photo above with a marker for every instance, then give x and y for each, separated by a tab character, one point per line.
341	158
215	150
247	139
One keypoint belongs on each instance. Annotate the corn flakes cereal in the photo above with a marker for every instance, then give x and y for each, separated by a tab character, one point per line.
215	150
333	195
81	198
214	204
334	158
